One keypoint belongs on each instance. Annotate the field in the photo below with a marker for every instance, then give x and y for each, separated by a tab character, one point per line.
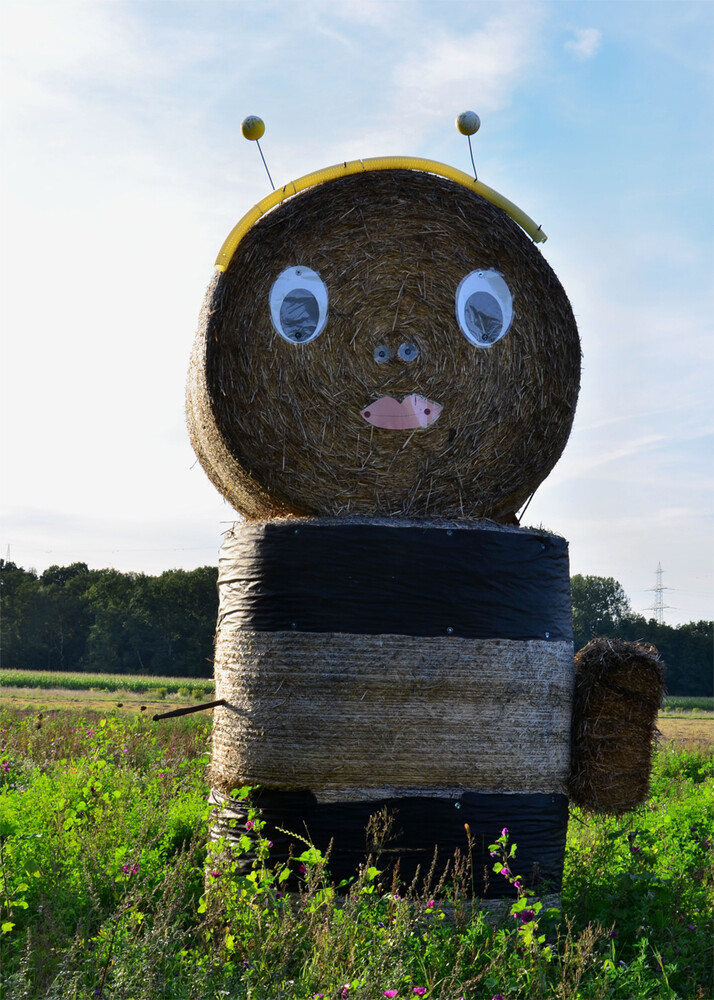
109	889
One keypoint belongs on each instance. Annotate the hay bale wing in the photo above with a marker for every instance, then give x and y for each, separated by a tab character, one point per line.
619	688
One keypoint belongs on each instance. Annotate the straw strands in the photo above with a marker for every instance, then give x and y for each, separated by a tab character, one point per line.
619	688
352	716
277	425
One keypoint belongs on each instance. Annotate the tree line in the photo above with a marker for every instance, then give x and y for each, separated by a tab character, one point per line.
104	621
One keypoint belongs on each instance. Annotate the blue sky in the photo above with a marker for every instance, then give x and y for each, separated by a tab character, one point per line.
124	169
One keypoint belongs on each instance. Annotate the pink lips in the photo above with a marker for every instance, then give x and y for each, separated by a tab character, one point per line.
413	411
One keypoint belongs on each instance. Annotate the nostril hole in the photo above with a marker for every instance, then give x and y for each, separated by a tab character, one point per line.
408	352
382	354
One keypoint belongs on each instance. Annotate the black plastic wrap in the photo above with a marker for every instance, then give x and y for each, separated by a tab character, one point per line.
378	579
536	822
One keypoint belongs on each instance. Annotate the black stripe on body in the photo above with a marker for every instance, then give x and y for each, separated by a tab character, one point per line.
375	579
536	822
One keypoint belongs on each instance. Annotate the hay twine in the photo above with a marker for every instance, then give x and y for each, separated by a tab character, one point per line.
619	688
338	713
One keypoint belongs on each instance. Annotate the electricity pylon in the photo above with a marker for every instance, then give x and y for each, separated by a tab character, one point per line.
658	605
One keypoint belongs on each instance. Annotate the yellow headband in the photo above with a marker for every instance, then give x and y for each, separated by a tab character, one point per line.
374	163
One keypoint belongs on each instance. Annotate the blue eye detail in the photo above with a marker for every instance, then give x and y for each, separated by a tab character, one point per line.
484	317
408	352
382	354
299	315
298	304
484	307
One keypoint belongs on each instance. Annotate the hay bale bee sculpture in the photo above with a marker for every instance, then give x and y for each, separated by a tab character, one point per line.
386	369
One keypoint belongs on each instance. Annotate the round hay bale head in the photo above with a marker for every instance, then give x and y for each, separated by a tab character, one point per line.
619	688
388	343
418	670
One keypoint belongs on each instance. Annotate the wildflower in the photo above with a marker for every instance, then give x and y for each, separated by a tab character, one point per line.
318	996
612	934
525	916
249	825
419	991
635	849
303	871
517	884
344	991
505	871
130	869
504	831
498	996
389	993
691	927
215	874
431	904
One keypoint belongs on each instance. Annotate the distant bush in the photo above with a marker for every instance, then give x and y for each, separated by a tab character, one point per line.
679	704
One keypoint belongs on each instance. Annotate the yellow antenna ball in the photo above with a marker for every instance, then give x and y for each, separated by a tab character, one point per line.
252	127
468	122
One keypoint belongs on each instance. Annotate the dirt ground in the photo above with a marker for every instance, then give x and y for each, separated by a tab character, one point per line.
687	729
43	700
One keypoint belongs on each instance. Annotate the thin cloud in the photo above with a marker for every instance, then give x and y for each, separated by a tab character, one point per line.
585	45
488	64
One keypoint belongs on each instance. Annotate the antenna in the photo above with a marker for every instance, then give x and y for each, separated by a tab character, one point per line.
253	128
658	605
468	123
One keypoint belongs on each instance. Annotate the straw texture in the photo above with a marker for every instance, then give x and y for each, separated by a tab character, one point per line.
619	688
277	425
360	716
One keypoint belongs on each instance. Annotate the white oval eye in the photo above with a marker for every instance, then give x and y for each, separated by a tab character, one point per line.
298	304
484	307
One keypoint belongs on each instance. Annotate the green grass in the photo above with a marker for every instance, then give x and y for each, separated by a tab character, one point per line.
136	683
103	855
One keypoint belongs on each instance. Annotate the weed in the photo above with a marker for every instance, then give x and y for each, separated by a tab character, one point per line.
110	889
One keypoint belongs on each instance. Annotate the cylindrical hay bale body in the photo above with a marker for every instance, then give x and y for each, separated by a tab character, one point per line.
619	688
424	667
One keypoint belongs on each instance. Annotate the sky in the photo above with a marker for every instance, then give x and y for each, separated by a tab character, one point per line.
123	170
